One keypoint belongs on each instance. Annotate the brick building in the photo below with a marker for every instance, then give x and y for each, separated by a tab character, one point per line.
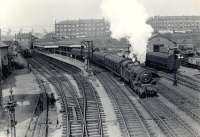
175	23
82	28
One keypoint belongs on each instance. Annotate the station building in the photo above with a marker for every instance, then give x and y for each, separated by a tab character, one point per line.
175	23
83	28
3	58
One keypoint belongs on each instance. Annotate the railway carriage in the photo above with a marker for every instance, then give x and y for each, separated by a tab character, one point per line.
77	53
162	61
98	58
113	63
194	62
140	79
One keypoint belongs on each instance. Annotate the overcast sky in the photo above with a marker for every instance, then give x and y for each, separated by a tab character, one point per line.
39	13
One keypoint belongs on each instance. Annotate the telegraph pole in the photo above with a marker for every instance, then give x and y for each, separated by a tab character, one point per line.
10	106
1	75
1	96
47	114
175	66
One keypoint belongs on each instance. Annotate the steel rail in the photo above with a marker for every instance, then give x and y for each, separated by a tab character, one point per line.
183	80
82	86
64	100
104	79
71	70
164	124
78	103
177	98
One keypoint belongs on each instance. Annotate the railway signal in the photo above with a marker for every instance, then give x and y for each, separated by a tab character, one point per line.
176	58
89	45
10	107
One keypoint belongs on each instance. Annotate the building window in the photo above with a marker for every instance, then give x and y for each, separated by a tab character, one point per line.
156	48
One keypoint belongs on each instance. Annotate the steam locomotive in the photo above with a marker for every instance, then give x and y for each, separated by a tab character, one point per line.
141	80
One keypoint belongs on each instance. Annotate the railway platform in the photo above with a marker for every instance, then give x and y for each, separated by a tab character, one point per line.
26	91
68	60
111	119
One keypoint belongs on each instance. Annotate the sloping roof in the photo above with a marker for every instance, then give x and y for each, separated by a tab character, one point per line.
163	36
3	45
177	38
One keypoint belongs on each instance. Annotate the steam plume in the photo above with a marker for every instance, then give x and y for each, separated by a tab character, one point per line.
128	19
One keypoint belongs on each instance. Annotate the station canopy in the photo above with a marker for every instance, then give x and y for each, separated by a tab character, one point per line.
71	46
47	47
3	45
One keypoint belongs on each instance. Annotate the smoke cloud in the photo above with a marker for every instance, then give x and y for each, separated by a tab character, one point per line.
128	19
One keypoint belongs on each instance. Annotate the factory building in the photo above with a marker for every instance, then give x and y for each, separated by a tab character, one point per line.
83	28
168	41
175	23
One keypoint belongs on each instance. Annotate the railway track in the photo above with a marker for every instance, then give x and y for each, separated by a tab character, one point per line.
185	102
92	108
130	121
84	115
169	123
60	91
93	112
183	80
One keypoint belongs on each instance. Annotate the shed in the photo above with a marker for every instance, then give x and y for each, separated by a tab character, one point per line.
166	42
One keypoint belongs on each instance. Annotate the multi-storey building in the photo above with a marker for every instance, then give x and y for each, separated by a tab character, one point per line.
175	23
83	28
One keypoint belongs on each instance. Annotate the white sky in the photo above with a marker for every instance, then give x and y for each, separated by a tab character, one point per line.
39	13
